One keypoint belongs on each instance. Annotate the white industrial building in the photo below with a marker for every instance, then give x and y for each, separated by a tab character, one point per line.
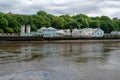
25	30
86	32
76	32
64	32
89	32
48	32
115	33
52	32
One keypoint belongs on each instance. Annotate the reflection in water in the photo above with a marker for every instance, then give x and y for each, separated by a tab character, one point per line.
65	61
85	52
79	52
33	56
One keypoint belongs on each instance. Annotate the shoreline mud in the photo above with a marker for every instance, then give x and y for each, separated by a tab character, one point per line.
18	39
63	41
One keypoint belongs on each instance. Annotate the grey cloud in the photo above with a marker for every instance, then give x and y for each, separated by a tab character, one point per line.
78	7
7	5
116	14
96	7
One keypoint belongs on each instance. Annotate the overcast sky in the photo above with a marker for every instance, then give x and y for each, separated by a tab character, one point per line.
110	8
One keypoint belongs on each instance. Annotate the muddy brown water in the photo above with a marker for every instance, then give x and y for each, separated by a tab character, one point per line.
60	61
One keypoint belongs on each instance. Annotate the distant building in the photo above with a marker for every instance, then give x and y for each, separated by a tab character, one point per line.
115	18
41	29
61	32
98	32
28	29
68	32
36	34
89	32
115	33
64	32
49	32
45	32
86	32
25	30
75	32
52	32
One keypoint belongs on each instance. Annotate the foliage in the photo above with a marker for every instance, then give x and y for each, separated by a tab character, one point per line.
9	30
94	24
1	31
3	23
10	23
33	27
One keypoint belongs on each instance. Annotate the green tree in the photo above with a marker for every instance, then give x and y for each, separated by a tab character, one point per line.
39	21
94	24
78	16
13	23
67	21
1	31
106	18
42	13
16	29
58	22
3	23
74	24
33	27
95	18
104	26
20	19
84	22
9	30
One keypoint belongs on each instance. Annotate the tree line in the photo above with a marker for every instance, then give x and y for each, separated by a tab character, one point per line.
10	23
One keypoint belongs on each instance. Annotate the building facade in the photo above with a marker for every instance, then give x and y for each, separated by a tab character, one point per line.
49	32
52	32
89	32
68	32
98	33
115	33
75	32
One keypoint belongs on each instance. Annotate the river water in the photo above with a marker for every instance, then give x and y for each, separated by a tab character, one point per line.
60	61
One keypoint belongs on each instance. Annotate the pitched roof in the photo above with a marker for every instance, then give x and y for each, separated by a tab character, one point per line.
51	28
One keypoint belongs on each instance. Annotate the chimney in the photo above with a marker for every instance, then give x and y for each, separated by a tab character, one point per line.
28	29
23	29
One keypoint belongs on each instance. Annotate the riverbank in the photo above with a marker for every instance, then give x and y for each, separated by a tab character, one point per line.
62	41
55	39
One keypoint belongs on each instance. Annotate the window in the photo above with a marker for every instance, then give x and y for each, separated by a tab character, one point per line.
97	33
